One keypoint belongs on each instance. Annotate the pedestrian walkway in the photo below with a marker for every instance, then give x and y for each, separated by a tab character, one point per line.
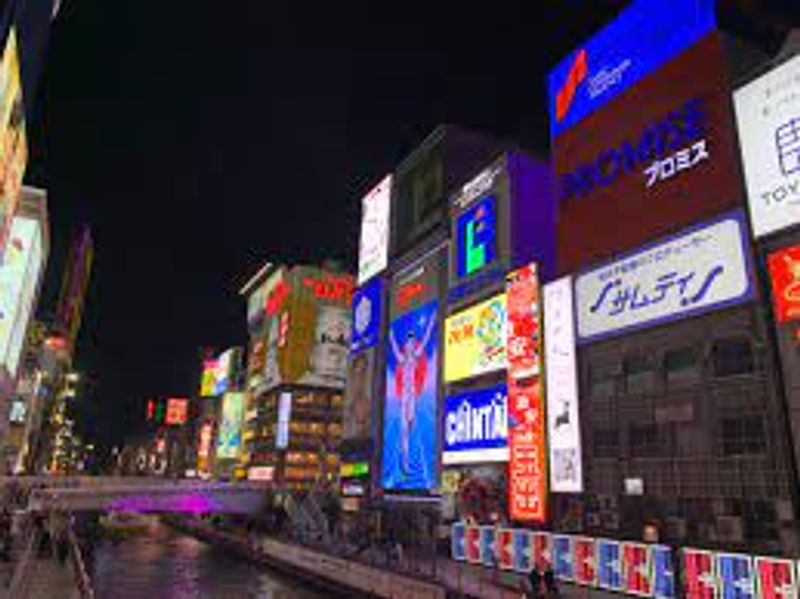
51	580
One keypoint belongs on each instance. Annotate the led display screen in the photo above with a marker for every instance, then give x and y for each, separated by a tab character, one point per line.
784	274
409	423
373	251
284	419
177	411
13	141
475	340
229	437
476	426
224	370
563	415
367	303
768	115
476	237
19	275
639	41
703	268
658	157
208	381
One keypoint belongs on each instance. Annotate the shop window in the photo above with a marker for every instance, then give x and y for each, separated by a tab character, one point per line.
605	442
639	374
745	435
681	366
730	357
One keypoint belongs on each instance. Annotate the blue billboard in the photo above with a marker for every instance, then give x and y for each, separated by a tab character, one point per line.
476	237
476	426
641	39
366	315
409	419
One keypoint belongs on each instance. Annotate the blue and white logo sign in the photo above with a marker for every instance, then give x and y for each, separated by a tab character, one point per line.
476	427
644	37
704	268
366	315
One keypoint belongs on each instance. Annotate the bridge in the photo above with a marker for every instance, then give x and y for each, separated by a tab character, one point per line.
139	494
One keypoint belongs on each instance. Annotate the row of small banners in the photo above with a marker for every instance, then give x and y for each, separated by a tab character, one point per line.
644	570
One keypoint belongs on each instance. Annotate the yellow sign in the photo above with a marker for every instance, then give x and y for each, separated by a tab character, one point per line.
475	340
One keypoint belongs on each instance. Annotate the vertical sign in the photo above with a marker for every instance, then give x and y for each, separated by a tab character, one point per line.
663	572
776	578
698	574
735	575
284	417
784	274
563	558
523	561
563	415
527	483
636	569
373	251
609	565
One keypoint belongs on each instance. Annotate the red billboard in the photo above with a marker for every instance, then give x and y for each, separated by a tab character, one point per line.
658	157
784	275
177	411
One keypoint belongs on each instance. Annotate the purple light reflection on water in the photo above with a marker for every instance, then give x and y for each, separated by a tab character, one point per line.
187	503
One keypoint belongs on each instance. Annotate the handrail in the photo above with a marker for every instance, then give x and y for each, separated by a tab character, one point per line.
82	578
21	578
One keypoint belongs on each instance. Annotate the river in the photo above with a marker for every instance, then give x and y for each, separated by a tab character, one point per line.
164	564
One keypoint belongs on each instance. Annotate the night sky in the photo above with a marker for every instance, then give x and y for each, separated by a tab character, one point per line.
200	139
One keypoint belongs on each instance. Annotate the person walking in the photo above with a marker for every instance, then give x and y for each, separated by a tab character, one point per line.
535	583
550	586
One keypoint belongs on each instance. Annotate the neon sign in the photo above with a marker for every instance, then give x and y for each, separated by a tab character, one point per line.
476	237
408	292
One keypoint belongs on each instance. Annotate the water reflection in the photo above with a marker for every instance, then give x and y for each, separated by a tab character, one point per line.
166	565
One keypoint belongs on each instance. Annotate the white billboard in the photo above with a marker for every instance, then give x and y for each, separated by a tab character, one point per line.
563	414
768	116
19	275
701	269
373	252
284	418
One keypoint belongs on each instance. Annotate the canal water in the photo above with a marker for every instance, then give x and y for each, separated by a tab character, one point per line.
164	564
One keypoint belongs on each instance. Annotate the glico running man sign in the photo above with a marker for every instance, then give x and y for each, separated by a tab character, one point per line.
701	269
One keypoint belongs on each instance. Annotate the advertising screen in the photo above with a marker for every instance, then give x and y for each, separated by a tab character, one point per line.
358	398
410	424
418	283
659	157
21	262
366	316
769	138
208	381
204	444
224	371
177	411
476	427
527	465
784	274
563	415
229	437
475	340
476	237
373	251
284	418
639	41
701	269
13	145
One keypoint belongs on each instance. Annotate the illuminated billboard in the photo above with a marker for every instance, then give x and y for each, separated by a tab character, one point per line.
784	274
409	423
476	237
13	141
225	366
358	405
476	427
527	464
229	437
475	340
703	268
373	250
659	157
367	302
561	376
769	134
644	37
177	411
19	276
284	418
208	380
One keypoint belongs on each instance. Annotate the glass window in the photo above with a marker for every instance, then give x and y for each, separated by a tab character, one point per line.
605	442
639	373
730	357
681	365
603	380
745	435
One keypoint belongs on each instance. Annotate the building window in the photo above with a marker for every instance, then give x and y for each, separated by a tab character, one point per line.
743	435
605	442
639	374
602	380
681	366
651	440
730	357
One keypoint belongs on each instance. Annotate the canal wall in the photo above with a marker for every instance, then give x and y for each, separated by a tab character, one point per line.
340	575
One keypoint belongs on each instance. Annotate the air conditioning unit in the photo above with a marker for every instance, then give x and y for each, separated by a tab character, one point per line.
729	529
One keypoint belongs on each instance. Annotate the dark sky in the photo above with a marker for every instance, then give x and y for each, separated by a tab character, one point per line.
201	138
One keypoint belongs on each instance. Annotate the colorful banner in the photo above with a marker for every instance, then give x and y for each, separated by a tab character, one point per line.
543	551
488	537
769	135
563	558
409	423
776	578
523	329
505	549
585	561
563	414
784	275
476	237
609	565
475	340
458	539
229	438
476	426
704	268
699	574
663	572
636	569
367	303
736	576
523	551
640	40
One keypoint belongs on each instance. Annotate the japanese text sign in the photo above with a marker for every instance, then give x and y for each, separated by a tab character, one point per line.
475	340
784	274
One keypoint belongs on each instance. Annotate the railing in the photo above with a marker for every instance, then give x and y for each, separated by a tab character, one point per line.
82	579
24	570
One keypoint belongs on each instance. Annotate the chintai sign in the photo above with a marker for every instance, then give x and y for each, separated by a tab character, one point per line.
701	269
476	427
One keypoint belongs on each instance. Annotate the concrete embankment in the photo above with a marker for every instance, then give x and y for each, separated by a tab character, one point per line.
334	574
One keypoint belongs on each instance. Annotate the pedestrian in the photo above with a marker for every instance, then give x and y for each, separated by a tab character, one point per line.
550	583
535	583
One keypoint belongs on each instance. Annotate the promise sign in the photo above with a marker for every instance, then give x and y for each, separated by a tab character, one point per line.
527	466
